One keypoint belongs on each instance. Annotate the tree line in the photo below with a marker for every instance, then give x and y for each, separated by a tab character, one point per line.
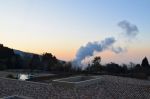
48	62
44	62
132	70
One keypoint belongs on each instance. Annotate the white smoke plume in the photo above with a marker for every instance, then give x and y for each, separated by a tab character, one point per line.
87	51
98	46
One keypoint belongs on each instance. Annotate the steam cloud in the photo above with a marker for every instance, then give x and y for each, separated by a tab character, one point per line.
118	49
90	47
130	31
98	46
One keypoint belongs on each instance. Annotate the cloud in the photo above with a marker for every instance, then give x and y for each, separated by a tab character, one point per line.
129	30
91	47
118	49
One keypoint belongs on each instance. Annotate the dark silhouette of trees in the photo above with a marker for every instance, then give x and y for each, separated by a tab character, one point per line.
96	60
145	63
10	60
35	62
48	61
124	69
67	67
7	57
3	66
18	62
5	52
95	66
145	66
137	69
26	59
113	68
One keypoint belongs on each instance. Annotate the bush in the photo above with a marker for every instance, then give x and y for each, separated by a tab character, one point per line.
139	75
3	67
10	76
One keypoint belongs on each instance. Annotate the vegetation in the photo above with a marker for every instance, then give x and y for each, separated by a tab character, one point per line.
10	76
49	63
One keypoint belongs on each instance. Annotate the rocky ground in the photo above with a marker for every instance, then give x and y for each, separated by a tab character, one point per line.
110	87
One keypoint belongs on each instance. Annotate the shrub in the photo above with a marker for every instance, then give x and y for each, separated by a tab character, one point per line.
10	76
2	67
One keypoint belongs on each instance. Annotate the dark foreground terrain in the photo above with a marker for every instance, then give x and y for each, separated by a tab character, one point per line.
110	87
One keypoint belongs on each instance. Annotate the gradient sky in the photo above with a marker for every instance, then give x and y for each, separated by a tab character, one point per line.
62	26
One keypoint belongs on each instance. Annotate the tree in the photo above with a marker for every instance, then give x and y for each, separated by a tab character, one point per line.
6	52
48	61
35	62
96	66
138	68
97	60
3	66
18	62
7	57
124	68
145	66
113	68
26	59
145	62
67	67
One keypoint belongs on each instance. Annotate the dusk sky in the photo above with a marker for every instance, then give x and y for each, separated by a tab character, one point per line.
61	27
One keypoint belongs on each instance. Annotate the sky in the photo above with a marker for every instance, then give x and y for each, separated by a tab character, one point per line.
61	27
